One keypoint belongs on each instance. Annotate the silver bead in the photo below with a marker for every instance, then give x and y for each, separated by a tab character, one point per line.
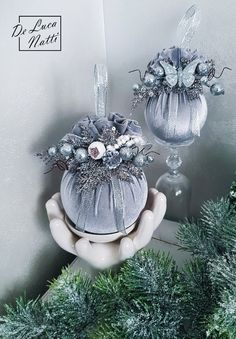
204	81
66	149
81	155
202	69
217	89
126	153
150	159
149	79
52	151
159	71
136	87
139	160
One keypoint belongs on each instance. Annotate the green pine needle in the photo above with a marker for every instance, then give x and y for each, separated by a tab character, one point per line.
142	301
213	234
232	193
148	298
25	320
223	321
198	297
69	312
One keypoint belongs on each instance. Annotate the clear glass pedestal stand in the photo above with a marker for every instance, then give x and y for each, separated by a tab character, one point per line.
177	188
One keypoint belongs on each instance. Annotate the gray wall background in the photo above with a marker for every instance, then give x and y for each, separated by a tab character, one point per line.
42	94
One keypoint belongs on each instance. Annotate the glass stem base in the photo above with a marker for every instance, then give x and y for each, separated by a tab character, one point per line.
177	188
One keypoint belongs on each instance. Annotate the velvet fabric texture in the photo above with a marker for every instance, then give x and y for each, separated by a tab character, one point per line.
175	54
175	119
99	213
96	125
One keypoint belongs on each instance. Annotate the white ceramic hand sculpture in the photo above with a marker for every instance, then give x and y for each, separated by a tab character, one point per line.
104	255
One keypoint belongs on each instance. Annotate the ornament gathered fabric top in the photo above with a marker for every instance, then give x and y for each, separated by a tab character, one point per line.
177	70
103	189
172	86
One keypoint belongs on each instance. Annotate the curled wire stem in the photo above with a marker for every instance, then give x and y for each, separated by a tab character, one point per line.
152	152
140	74
61	165
147	150
217	77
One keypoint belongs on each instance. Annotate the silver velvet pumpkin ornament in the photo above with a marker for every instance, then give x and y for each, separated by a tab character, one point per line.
176	108
103	188
95	198
174	119
102	197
